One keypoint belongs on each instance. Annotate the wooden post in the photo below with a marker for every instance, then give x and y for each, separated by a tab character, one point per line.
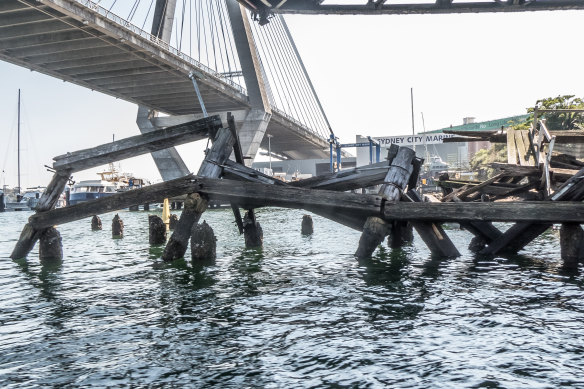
374	231
571	242
211	167
433	234
253	233
156	230
194	207
96	223
396	181
29	236
117	227
50	246
402	233
203	243
307	225
172	221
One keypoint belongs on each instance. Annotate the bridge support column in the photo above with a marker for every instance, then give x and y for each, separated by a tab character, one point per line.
254	126
169	162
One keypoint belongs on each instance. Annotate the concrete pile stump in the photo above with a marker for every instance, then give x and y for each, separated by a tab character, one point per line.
156	230
307	225
96	223
50	245
117	227
203	243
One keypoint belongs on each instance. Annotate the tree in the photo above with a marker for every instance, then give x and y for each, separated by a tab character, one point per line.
561	120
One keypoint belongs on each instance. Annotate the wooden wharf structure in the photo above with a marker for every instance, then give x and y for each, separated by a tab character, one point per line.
390	212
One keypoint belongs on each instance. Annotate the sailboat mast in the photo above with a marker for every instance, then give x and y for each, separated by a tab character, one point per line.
18	150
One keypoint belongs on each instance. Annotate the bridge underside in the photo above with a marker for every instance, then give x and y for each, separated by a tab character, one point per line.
371	7
66	40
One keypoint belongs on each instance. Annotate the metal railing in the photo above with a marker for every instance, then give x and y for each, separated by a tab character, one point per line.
91	5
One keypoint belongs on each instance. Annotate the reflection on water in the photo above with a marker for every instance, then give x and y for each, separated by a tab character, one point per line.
301	312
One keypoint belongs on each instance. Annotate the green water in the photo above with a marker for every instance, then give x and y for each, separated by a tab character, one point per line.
301	312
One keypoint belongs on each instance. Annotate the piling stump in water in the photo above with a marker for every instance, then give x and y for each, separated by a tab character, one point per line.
477	244
156	230
134	208
401	234
203	242
117	227
307	225
173	221
50	246
95	223
374	232
176	247
253	233
571	237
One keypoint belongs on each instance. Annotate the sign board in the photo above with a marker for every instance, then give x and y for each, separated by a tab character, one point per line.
413	140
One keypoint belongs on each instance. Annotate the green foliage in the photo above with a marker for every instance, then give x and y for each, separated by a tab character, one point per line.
483	158
561	120
554	121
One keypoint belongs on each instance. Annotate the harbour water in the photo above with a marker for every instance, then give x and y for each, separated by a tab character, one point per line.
301	312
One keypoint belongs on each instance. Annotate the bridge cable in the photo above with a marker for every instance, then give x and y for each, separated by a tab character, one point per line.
133	10
230	35
301	115
147	14
300	90
262	47
182	26
274	70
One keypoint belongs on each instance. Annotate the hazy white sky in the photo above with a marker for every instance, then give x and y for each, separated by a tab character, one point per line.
483	65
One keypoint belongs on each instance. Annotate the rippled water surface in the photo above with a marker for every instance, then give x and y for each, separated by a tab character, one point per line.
302	312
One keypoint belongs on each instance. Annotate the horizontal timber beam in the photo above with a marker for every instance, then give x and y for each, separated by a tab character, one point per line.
137	145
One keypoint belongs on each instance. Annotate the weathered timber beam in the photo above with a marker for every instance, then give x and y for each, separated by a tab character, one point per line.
431	232
147	194
236	171
249	194
360	177
245	194
137	145
521	211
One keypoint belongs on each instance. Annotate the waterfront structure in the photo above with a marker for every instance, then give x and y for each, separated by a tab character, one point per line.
431	143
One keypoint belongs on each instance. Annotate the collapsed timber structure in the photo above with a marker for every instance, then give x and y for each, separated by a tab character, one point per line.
392	212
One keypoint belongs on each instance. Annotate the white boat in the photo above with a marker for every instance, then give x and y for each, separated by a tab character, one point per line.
111	182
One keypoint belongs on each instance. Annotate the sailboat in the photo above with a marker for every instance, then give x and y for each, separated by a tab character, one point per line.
24	201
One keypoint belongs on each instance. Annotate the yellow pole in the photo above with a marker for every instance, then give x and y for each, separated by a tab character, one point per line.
166	213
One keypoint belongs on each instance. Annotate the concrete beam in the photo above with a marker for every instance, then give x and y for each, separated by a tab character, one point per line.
167	121
37	41
25	16
69	46
35	29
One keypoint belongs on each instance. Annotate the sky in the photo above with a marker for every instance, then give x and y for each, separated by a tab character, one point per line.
487	66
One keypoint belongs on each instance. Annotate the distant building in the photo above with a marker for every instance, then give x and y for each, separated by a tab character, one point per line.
430	143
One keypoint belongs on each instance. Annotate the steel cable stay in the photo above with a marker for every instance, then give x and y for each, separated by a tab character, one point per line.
258	41
321	122
287	71
284	101
292	61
